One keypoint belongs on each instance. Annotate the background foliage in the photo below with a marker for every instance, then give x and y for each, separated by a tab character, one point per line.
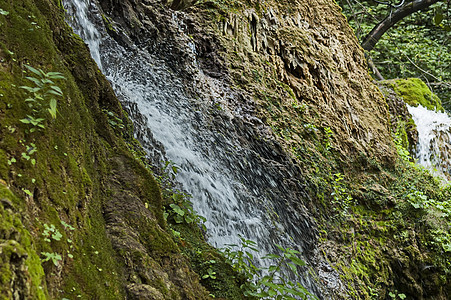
417	46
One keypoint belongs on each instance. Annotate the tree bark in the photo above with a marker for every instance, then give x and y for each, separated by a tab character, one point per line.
373	37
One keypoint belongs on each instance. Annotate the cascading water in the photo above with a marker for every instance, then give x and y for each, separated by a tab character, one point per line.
235	179
434	140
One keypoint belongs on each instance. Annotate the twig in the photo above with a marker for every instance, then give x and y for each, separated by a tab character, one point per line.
425	72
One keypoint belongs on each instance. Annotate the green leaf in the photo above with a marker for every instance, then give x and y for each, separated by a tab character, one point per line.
52	109
30	89
178	219
272	268
35	80
47	81
292	267
35	71
415	205
438	18
177	209
174	169
446	247
297	261
272	293
57	89
55	75
27	192
4	12
189	219
280	247
57	236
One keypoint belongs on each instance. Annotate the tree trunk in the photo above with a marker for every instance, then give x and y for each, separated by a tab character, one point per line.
373	37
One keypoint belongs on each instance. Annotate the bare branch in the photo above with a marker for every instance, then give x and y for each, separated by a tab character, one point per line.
373	37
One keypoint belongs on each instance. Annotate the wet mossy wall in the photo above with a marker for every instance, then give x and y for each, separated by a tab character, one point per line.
320	104
107	208
80	216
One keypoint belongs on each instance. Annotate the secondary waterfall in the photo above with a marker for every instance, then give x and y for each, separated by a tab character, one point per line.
434	140
235	179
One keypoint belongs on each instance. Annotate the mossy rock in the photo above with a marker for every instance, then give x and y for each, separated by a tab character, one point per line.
19	261
84	174
415	92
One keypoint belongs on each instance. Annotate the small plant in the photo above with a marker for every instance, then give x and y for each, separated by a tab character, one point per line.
51	232
417	199
310	127
210	274
395	295
168	173
402	151
54	257
30	150
67	226
327	139
182	210
373	293
339	195
42	96
113	120
11	161
273	285
299	107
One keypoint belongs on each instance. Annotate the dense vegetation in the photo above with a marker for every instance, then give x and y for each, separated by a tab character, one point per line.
417	46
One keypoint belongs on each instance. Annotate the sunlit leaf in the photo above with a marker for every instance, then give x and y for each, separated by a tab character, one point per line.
35	71
52	109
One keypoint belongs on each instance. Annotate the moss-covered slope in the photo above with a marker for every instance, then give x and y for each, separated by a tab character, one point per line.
80	216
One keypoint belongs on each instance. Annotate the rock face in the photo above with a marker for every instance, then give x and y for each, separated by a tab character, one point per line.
83	216
303	57
295	74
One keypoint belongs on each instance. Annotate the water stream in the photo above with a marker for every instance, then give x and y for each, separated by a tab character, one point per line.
434	140
236	181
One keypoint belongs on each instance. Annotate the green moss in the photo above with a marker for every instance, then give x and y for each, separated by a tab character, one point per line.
18	257
202	257
415	92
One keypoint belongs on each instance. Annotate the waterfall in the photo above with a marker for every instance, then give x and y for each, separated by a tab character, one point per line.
434	140
239	183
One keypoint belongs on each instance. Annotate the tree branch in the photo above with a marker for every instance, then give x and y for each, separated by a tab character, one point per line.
373	37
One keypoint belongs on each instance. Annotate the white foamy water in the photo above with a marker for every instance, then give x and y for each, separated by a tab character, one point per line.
433	150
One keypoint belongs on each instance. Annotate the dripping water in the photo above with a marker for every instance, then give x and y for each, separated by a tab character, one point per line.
433	149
